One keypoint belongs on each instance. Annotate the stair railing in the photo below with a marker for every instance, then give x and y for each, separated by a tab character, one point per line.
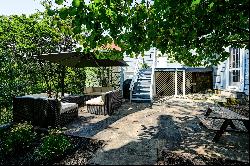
135	76
152	82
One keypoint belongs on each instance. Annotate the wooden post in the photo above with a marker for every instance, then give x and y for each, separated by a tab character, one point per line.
184	83
121	79
62	79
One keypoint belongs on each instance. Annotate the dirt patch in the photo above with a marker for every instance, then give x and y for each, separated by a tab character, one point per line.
136	132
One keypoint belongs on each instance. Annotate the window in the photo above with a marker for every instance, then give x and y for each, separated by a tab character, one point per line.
236	75
234	67
235	58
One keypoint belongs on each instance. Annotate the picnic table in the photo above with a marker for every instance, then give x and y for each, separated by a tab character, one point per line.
222	119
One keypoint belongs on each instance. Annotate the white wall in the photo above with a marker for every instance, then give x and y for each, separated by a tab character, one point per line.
246	81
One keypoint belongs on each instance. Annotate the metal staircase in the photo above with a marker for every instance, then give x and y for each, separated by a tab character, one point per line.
142	84
141	90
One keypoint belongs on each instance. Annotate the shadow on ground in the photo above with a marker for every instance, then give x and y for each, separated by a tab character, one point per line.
88	125
171	125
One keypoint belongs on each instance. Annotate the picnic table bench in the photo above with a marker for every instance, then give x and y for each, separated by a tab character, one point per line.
222	119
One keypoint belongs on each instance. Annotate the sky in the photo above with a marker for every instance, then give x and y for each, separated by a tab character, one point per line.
10	7
18	7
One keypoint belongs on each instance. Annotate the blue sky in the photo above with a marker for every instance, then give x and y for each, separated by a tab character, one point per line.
9	7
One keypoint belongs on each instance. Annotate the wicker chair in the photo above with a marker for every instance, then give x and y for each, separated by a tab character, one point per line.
105	104
43	112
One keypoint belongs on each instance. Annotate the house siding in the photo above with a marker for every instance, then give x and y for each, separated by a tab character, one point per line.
221	74
246	71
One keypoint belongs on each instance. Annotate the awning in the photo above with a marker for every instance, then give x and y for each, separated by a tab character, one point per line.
79	59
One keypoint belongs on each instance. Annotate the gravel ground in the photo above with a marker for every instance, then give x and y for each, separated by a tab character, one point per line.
171	158
166	132
137	132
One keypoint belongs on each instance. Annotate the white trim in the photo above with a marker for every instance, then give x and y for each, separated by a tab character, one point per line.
184	83
242	71
234	87
121	79
175	81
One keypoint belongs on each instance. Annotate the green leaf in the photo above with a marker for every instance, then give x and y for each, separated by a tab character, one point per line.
211	5
109	12
195	2
79	49
50	12
59	2
76	3
63	13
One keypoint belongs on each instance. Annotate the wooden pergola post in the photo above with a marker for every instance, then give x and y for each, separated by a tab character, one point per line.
62	78
121	79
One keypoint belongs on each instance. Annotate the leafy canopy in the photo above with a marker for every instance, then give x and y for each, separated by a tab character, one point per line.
23	37
179	28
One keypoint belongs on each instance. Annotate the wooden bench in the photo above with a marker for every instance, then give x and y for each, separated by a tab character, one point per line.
225	118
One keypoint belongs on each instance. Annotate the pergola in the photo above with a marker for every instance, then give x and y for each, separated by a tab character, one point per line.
79	60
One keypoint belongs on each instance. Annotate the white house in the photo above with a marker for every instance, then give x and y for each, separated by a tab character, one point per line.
232	75
163	77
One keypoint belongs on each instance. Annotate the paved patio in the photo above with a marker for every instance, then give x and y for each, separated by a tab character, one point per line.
137	132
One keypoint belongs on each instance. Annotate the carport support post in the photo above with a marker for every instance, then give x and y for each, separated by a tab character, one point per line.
121	79
175	82
184	85
63	70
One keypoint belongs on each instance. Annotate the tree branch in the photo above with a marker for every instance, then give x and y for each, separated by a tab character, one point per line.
239	41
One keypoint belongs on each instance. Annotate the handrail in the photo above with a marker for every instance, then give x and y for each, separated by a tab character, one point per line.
152	76
135	76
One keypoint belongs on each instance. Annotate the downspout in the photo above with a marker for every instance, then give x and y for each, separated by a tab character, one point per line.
152	77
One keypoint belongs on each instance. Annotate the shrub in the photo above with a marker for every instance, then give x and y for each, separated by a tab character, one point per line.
232	101
145	66
18	137
55	144
5	115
